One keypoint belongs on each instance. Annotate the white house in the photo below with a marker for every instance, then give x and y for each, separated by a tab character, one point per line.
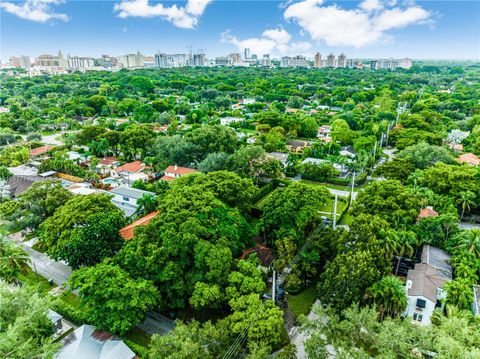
172	172
229	120
126	198
425	284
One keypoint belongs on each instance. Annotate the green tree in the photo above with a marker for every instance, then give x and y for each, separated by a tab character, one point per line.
25	329
423	155
13	260
113	300
466	201
388	294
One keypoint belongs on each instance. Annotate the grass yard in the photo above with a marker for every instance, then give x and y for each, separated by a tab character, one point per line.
302	302
139	337
347	219
28	277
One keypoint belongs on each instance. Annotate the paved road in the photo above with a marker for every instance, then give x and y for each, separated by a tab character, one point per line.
46	267
464	225
342	193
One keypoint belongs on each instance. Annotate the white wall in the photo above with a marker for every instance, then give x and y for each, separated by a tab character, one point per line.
425	312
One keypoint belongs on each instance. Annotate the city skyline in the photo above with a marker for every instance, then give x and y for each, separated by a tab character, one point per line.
363	29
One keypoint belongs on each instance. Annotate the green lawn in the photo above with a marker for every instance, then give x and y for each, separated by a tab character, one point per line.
302	302
347	219
139	337
28	277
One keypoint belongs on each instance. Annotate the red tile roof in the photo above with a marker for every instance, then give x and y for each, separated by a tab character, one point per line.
107	161
167	178
179	170
469	158
427	212
131	167
128	231
40	150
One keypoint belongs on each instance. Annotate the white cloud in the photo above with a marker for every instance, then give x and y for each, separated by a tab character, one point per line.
35	10
183	17
362	26
271	41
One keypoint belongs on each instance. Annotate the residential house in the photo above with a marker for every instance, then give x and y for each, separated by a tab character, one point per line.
427	212
127	232
263	253
324	131
106	165
19	184
132	171
229	120
251	140
76	157
348	151
470	159
317	161
83	188
23	170
56	320
39	151
87	342
126	198
281	156
298	146
172	172
425	284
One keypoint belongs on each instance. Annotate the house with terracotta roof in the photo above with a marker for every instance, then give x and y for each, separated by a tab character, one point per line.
132	171
427	212
324	131
40	151
128	232
107	164
172	172
470	159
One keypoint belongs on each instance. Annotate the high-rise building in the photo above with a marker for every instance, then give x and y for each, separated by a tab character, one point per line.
331	60
374	65
318	60
21	62
199	60
341	61
246	53
266	61
235	59
285	61
80	63
406	63
222	61
132	60
47	60
170	60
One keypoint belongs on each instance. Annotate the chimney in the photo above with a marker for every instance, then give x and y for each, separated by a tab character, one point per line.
175	168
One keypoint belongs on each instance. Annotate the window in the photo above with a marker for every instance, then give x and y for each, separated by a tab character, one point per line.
417	317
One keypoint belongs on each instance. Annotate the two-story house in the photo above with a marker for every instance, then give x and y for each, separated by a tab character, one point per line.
425	284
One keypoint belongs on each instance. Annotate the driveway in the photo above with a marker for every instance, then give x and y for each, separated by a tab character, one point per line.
42	264
464	225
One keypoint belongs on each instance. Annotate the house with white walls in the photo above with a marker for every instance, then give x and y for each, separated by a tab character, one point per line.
425	284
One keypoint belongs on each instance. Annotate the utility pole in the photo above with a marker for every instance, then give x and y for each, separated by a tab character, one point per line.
335	212
375	150
273	287
353	186
388	131
381	141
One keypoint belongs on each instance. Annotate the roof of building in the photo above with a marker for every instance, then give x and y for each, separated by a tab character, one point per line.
40	150
130	192
179	170
19	184
281	156
427	212
53	316
107	161
167	178
469	158
87	342
131	167
437	258
264	254
432	273
23	170
127	232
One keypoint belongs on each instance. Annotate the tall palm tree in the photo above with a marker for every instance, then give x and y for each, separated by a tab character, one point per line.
471	242
391	243
466	201
388	294
408	243
13	259
146	204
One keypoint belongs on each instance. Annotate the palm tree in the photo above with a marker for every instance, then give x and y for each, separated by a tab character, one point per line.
466	201
408	243
388	294
471	242
13	259
146	204
391	243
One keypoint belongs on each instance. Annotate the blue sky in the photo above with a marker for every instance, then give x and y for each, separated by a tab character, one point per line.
369	28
